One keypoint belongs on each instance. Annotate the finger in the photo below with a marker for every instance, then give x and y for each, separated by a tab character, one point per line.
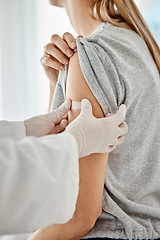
57	115
70	40
109	115
86	107
64	123
120	115
56	53
45	54
48	62
120	140
57	129
61	126
53	130
65	116
111	148
62	44
122	129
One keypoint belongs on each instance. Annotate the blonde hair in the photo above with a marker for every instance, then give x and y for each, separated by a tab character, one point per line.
124	13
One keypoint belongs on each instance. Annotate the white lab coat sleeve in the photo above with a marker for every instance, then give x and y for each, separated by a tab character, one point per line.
14	130
39	179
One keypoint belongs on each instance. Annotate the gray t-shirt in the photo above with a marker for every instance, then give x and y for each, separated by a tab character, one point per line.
119	68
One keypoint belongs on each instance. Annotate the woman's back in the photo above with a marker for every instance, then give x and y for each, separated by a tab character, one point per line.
119	68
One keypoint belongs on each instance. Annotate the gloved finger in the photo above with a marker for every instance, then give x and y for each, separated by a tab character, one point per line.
120	115
53	129
120	140
61	126
122	129
111	148
86	107
109	115
57	115
65	116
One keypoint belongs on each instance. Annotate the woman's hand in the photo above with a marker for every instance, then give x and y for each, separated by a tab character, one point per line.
57	55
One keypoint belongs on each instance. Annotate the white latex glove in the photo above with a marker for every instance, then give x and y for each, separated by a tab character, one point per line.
95	135
51	123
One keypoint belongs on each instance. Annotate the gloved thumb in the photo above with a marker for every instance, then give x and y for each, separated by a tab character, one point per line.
120	115
86	107
57	115
122	109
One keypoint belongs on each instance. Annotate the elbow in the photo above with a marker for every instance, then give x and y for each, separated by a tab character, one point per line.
88	220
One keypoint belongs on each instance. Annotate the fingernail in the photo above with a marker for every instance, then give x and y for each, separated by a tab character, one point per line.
62	68
69	52
73	44
65	61
80	36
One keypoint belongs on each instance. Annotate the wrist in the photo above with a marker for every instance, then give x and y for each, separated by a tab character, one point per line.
79	137
19	130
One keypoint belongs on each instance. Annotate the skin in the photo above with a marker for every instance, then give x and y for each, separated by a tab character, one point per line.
57	3
79	14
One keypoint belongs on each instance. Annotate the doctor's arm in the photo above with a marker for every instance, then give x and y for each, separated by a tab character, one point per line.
29	172
29	178
92	170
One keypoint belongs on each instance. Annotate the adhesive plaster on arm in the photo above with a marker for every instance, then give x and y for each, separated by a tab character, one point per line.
76	105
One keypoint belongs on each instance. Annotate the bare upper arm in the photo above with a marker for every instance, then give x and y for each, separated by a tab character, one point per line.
93	167
77	88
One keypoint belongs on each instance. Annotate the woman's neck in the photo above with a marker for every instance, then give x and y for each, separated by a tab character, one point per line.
79	14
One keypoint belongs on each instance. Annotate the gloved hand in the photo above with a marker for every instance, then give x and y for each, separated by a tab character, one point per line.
95	135
51	123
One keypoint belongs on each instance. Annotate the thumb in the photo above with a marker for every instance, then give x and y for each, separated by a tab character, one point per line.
122	110
120	115
57	115
86	107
